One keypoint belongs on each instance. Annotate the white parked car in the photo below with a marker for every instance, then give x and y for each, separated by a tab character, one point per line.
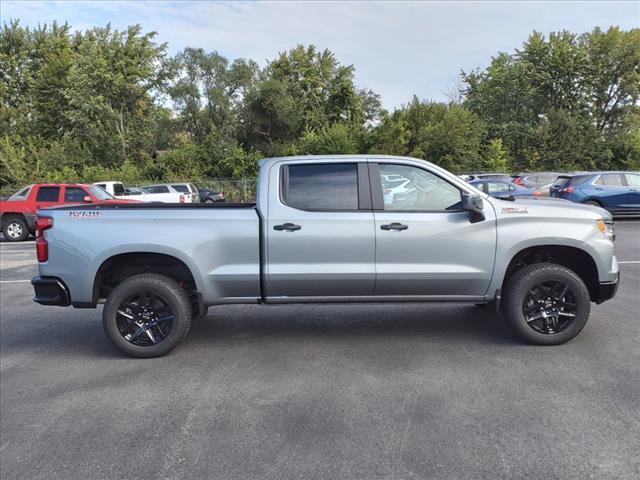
116	189
168	193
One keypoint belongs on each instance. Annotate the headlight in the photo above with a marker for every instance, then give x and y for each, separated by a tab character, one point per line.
606	227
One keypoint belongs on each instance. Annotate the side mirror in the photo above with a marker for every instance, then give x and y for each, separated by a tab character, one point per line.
475	205
87	199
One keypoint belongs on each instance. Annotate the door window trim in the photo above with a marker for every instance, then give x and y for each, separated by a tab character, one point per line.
364	190
377	196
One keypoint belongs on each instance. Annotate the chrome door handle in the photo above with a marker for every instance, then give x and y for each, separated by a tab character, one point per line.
394	226
289	227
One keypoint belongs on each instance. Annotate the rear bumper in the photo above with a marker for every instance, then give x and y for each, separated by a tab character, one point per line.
607	290
50	291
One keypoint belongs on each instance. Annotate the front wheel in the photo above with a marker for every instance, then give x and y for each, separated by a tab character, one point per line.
546	304
147	315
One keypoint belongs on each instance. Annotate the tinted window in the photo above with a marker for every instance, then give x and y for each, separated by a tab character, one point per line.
633	180
578	180
157	189
48	194
181	188
611	180
423	190
74	194
561	181
330	186
118	189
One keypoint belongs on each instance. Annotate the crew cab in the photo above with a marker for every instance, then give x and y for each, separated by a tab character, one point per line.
18	212
322	230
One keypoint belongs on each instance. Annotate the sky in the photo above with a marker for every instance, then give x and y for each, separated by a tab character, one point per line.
398	48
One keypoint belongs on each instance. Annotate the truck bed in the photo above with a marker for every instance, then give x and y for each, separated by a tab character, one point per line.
218	243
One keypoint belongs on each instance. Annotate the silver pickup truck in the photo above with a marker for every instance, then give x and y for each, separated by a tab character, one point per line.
346	228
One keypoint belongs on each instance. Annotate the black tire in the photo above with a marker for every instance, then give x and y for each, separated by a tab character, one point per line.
208	200
595	203
15	229
159	286
517	293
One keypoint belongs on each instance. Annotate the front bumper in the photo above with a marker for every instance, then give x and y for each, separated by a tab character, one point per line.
607	290
50	291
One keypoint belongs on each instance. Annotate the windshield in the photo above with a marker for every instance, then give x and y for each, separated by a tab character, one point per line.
561	181
99	193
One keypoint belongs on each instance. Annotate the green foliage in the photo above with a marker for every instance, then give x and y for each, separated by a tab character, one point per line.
107	104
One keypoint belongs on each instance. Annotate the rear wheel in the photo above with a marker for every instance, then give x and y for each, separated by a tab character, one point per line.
208	200
546	304
147	315
15	229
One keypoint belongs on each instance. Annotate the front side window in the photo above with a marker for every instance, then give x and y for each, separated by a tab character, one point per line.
74	194
327	186
420	190
611	180
48	194
633	180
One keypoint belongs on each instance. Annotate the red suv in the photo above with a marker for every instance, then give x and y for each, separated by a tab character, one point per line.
18	212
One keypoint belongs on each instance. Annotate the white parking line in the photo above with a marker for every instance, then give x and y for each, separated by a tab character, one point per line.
15	281
629	261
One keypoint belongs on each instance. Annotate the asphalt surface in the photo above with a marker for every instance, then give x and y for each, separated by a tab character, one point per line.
317	392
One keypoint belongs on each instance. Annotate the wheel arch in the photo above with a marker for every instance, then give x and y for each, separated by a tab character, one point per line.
571	257
120	266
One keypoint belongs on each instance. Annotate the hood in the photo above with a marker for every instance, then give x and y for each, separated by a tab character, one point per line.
548	207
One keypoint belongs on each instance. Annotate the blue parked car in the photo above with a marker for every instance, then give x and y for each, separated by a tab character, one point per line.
503	188
618	192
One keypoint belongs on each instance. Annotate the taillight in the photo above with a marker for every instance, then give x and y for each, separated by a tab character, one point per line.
518	181
181	198
42	247
536	193
567	190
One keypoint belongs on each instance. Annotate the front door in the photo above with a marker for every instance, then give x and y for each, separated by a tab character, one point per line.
47	197
320	239
425	244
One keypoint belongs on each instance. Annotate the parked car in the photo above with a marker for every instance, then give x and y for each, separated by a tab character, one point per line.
540	181
18	212
504	188
165	193
188	190
322	232
391	188
486	176
617	192
209	196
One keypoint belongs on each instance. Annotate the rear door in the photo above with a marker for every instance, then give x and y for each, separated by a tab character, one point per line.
47	196
320	239
610	190
426	245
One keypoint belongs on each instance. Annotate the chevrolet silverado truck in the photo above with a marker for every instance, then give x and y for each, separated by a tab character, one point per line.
327	229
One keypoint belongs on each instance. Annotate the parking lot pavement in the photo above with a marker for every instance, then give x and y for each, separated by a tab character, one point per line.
322	391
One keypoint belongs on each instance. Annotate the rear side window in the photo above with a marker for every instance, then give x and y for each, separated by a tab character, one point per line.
48	194
610	180
21	194
157	189
181	188
118	189
74	194
329	186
